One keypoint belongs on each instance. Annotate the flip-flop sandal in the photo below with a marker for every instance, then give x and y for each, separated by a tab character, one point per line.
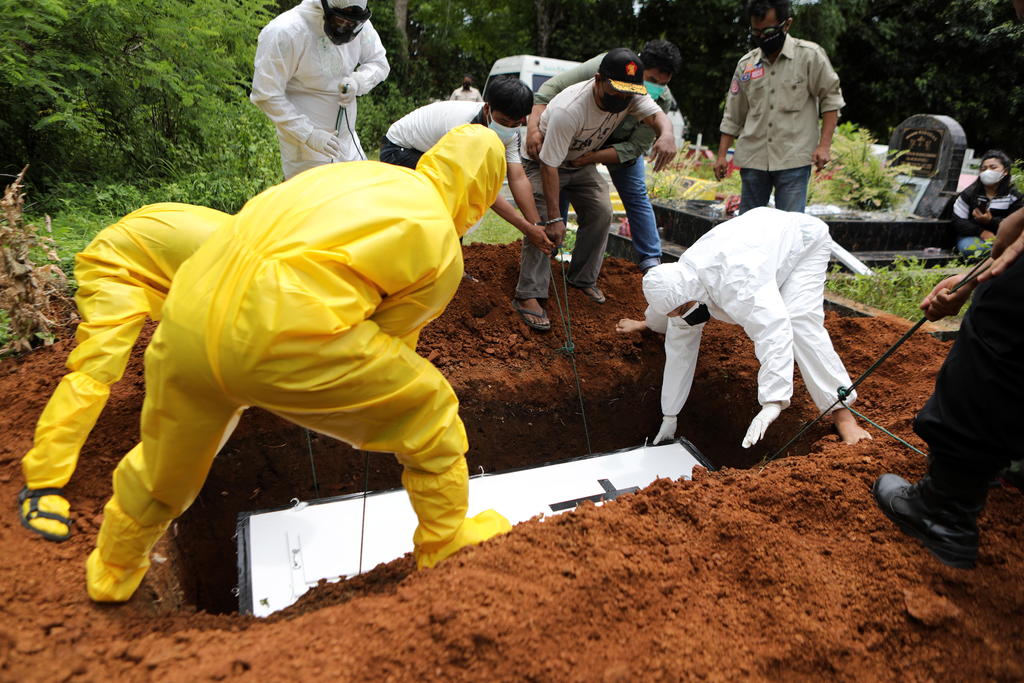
593	293
33	495
543	325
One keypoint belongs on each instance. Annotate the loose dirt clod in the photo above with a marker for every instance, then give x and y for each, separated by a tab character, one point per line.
782	573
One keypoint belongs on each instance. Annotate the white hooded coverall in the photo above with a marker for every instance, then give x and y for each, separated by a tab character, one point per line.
764	270
297	74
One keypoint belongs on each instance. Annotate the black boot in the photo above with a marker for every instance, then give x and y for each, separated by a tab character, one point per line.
943	518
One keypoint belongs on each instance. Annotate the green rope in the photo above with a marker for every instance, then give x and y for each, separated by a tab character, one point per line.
883	429
844	392
569	349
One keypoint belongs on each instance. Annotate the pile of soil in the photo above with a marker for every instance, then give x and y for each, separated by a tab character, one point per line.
781	571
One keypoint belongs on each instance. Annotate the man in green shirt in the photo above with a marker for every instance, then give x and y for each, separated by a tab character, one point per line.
778	92
623	152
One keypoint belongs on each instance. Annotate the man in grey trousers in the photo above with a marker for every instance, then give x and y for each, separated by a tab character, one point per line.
579	120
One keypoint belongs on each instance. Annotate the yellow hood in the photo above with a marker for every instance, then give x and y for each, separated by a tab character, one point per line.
467	167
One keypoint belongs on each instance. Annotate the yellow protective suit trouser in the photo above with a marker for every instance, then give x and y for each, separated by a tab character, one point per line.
113	312
361	386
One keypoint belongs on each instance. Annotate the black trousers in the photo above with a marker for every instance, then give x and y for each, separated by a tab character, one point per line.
974	422
390	153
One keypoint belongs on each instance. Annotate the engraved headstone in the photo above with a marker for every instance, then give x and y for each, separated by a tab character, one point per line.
935	147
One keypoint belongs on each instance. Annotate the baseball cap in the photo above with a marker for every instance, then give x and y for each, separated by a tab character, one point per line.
624	71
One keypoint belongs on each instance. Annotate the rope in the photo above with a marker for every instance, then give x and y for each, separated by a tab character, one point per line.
343	115
883	429
362	523
844	392
569	348
312	463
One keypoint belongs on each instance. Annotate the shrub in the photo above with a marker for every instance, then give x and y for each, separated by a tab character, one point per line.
26	289
857	178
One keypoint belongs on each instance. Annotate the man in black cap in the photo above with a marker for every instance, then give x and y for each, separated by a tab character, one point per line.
579	120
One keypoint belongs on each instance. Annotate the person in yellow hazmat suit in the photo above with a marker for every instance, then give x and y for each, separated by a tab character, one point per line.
123	278
309	303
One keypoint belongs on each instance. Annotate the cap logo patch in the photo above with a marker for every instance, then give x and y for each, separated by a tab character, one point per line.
631	69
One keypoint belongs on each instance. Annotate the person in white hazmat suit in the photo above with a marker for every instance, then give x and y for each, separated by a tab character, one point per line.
765	271
312	62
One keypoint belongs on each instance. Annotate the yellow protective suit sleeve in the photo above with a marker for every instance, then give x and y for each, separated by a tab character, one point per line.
123	277
307	304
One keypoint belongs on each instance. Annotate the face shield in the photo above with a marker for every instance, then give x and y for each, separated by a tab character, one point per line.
343	24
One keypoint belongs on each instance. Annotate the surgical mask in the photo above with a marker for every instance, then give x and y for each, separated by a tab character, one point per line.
769	44
653	89
613	103
990	177
504	132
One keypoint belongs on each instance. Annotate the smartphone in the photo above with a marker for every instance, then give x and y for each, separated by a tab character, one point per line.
983	204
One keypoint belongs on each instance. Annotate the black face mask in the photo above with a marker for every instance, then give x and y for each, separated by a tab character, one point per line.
353	19
614	103
769	44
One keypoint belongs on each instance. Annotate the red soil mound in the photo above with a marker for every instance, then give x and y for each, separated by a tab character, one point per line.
781	572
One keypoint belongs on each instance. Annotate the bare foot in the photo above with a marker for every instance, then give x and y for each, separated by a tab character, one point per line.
846	424
627	325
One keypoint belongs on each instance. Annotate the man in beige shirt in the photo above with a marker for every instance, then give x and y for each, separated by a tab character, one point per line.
778	92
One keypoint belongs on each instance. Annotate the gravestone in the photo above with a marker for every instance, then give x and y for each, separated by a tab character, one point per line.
935	147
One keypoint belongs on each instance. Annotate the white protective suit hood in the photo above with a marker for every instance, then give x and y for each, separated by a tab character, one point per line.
467	166
670	285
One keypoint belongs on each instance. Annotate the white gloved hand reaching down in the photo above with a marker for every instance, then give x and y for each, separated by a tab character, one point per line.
760	423
667	431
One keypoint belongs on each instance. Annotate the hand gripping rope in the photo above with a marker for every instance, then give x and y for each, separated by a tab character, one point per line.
844	392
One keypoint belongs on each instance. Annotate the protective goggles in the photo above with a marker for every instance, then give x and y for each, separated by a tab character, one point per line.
343	24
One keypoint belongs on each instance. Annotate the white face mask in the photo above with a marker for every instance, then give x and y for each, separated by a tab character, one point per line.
991	176
504	132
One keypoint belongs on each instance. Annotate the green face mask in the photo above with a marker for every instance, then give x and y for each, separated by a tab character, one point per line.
653	89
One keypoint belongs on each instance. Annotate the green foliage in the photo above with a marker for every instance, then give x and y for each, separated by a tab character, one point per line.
493	230
384	105
121	88
898	289
676	181
857	178
962	58
5	329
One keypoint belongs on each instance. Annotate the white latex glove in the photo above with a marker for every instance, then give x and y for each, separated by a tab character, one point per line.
667	431
760	423
325	142
347	91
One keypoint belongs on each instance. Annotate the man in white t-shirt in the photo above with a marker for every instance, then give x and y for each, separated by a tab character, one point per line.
579	120
509	101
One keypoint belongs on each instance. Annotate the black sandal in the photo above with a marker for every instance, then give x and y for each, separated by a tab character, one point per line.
34	512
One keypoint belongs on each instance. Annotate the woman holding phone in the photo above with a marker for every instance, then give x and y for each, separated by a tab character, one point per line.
983	204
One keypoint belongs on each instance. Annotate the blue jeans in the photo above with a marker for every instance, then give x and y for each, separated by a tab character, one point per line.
968	245
790	188
629	181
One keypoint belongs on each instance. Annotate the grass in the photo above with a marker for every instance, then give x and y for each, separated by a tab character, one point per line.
492	230
897	289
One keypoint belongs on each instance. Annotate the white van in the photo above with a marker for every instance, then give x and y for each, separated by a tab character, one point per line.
534	71
530	69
